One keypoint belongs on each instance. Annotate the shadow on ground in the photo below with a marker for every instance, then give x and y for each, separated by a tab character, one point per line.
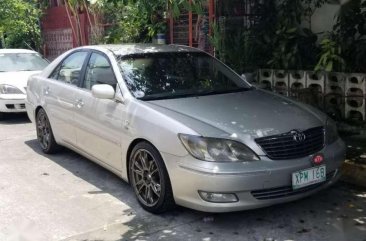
14	119
338	213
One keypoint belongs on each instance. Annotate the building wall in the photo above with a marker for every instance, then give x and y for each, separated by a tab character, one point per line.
324	18
57	31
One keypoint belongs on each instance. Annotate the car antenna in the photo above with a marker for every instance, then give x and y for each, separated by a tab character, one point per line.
28	45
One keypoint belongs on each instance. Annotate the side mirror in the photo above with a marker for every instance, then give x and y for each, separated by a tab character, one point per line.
103	91
260	85
249	77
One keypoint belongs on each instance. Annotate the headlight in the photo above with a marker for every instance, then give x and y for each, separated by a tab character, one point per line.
217	150
331	132
9	89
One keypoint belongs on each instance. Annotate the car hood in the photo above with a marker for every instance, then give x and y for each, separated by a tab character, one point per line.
18	79
254	113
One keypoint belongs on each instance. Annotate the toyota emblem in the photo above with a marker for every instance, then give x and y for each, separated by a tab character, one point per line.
298	136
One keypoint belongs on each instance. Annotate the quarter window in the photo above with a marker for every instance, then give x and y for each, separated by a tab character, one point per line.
99	71
70	69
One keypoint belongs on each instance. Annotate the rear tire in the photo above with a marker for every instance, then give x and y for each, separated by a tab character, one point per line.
44	133
149	179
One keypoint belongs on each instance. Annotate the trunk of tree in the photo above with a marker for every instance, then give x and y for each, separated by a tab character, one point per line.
89	19
67	5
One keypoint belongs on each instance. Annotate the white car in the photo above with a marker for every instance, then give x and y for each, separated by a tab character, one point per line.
16	66
183	128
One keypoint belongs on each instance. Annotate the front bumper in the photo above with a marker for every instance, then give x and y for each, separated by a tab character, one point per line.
12	103
248	181
30	110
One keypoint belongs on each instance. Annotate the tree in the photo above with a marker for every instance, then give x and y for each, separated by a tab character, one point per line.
72	10
134	20
19	23
141	20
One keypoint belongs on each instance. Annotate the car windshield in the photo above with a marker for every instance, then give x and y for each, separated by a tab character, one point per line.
14	62
176	75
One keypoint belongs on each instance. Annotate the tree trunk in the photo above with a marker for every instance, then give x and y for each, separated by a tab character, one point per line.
67	5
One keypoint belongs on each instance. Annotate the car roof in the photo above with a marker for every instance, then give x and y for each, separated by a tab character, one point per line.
128	49
17	51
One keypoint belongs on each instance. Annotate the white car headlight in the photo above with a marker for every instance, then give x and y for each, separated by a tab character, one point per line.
9	89
217	150
331	132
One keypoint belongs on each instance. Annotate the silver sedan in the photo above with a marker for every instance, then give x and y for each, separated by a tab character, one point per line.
182	128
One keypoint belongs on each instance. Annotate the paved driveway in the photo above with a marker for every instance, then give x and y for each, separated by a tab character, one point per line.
66	197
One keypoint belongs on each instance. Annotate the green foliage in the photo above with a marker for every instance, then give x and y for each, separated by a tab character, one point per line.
350	31
330	56
127	23
293	48
134	20
282	42
244	49
263	33
72	9
216	41
237	50
277	40
177	6
293	45
142	20
19	23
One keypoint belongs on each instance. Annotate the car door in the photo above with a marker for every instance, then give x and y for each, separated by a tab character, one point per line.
99	121
59	94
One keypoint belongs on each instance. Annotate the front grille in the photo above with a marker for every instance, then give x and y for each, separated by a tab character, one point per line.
281	192
16	106
284	147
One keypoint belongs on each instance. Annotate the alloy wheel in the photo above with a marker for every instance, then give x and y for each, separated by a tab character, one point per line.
146	177
43	130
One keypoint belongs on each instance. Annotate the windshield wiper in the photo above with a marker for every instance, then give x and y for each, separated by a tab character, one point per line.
147	98
195	94
217	92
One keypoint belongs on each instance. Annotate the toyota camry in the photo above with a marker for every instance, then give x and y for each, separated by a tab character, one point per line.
16	65
183	128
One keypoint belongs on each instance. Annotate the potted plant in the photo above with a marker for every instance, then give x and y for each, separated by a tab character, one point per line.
158	27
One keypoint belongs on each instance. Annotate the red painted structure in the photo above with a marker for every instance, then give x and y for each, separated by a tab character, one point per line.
181	30
57	31
59	37
232	18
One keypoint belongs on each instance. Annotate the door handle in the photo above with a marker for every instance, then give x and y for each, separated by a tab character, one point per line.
46	91
79	103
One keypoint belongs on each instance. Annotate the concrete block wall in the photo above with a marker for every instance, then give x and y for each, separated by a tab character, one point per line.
57	31
58	41
340	94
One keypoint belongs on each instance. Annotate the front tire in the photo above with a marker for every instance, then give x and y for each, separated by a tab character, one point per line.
149	179
44	133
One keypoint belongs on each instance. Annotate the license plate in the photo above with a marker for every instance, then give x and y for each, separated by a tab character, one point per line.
308	177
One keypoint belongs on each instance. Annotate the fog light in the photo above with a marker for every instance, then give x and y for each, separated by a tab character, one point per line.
218	197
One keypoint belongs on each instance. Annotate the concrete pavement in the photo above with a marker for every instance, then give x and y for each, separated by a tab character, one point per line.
66	197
